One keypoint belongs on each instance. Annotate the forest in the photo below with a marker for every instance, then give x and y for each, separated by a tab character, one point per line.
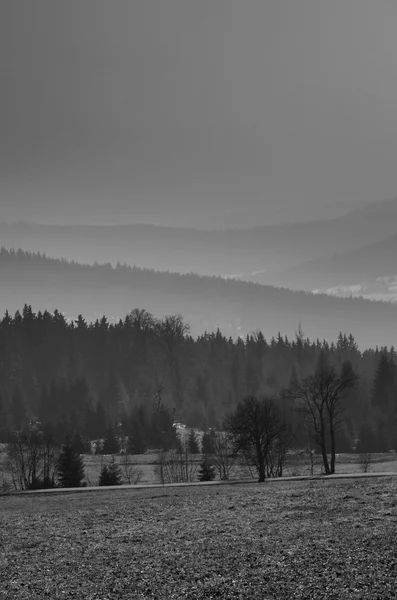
140	375
207	303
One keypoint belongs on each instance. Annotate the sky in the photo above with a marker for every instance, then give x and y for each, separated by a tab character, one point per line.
171	110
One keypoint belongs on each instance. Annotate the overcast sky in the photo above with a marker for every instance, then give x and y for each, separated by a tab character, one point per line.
157	109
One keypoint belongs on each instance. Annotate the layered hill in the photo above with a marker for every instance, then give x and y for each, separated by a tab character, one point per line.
370	270
234	252
207	303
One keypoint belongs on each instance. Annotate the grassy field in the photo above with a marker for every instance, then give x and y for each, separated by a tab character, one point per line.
304	540
144	464
141	468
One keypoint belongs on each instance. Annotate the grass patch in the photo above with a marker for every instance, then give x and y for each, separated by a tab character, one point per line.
307	539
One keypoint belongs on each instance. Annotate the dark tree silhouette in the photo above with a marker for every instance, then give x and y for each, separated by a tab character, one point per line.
110	474
320	396
70	466
254	428
206	470
18	410
111	444
208	442
385	384
193	447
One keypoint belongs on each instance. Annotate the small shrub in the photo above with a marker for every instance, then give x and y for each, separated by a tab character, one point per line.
132	475
365	460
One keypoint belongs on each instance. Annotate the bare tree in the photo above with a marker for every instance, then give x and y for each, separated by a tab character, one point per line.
175	466
31	459
223	457
277	453
131	474
256	428
321	396
365	460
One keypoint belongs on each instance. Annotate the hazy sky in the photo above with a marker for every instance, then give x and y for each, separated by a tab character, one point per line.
130	109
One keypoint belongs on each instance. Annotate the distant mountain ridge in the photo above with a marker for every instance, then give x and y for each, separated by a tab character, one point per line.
226	253
371	268
208	303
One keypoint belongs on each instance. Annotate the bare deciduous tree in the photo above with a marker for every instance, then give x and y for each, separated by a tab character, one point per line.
320	396
131	473
258	432
365	460
223	457
32	460
175	466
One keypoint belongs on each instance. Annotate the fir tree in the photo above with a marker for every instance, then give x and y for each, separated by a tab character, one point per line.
111	444
99	425
136	443
110	474
3	424
80	445
193	447
368	441
18	410
384	384
208	442
70	466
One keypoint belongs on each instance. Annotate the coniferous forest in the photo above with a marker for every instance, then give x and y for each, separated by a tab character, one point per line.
137	377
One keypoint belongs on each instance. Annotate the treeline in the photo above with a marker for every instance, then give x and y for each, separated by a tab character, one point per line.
138	376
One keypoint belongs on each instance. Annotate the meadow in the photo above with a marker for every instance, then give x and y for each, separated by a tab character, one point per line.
280	540
141	468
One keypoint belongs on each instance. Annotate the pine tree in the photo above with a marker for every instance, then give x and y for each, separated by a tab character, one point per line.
384	384
70	466
18	410
99	424
193	447
110	474
136	443
111	444
369	440
208	442
206	470
80	445
3	424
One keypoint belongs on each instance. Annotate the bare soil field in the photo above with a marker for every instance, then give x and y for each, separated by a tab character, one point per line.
304	540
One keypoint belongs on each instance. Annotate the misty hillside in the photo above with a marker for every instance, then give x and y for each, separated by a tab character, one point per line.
280	214
372	269
227	253
236	307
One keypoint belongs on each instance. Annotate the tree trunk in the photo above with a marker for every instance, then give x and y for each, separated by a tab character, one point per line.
261	472
324	447
333	454
324	455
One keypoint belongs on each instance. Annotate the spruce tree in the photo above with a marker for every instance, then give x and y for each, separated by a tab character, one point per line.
81	446
70	466
111	444
193	447
384	384
136	443
208	442
110	474
18	409
206	470
3	424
